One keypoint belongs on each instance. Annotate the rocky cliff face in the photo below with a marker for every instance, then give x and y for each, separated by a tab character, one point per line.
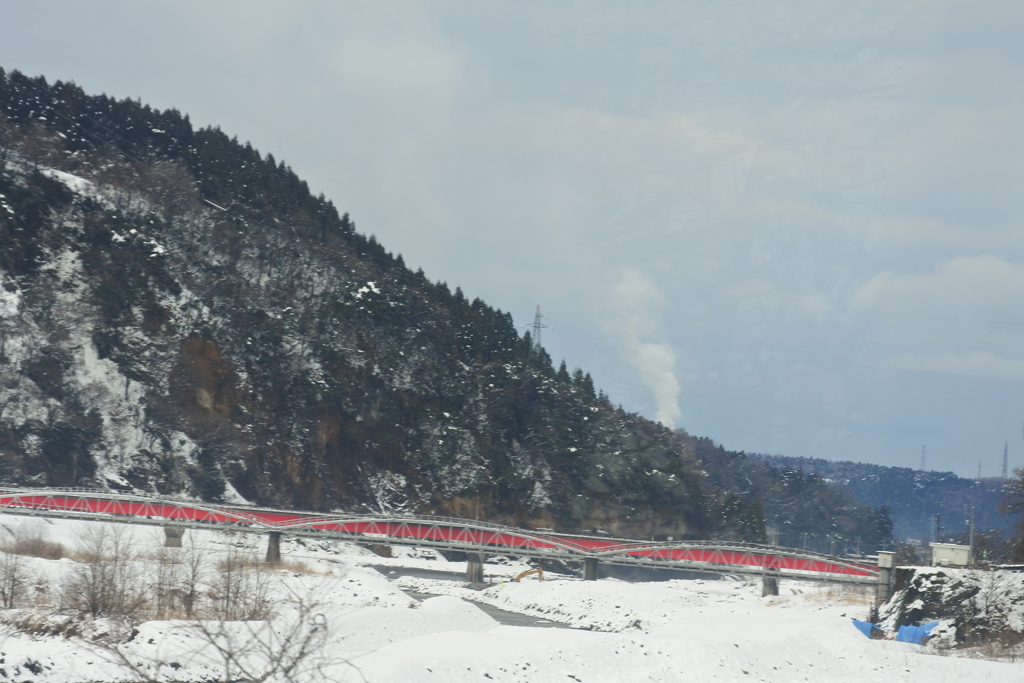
179	315
973	606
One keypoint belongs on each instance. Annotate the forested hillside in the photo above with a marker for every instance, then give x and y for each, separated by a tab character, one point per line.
915	497
178	314
800	507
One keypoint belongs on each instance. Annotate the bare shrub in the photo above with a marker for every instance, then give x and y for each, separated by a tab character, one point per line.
194	572
166	592
1007	644
40	623
30	539
907	555
180	573
105	580
12	577
242	588
290	646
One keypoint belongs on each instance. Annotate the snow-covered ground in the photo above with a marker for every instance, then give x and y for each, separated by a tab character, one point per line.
362	627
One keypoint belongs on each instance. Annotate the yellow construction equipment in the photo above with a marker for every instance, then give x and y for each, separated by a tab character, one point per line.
539	571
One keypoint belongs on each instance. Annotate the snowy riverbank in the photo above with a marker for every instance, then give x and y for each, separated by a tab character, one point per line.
358	626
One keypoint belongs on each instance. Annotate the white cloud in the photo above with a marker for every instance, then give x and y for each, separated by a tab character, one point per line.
962	318
980	289
982	364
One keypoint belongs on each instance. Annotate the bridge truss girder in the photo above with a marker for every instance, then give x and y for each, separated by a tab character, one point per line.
439	533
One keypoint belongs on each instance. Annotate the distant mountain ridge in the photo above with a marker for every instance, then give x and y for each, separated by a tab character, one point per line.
800	509
913	496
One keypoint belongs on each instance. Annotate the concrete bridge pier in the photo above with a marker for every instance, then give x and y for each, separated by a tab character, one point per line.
475	567
884	589
590	569
273	547
172	536
769	583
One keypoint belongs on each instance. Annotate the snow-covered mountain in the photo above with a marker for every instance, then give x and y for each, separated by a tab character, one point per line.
179	315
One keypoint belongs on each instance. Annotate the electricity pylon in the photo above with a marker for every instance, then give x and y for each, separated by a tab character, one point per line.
536	326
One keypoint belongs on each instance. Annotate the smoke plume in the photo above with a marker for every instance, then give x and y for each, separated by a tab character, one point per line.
635	298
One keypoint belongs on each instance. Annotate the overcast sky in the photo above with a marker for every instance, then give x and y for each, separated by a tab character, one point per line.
794	227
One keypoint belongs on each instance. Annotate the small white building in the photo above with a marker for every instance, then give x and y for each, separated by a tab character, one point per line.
950	555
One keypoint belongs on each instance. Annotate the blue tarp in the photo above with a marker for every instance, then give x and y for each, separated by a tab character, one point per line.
865	627
916	634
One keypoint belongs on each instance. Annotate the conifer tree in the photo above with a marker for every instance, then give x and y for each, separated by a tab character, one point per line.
562	375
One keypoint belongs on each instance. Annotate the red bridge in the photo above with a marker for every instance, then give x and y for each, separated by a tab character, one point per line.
473	537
